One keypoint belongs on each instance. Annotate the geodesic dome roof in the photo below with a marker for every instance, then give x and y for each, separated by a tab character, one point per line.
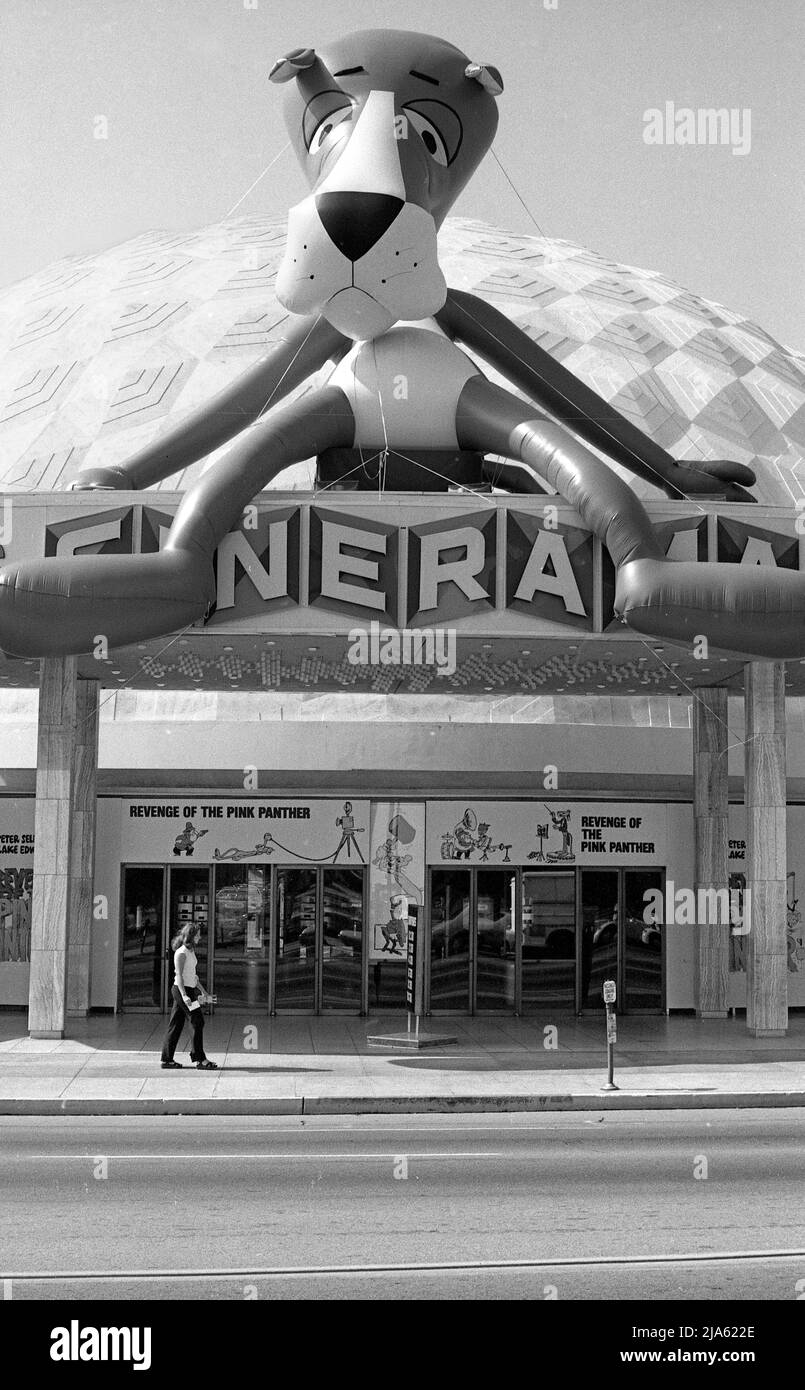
99	353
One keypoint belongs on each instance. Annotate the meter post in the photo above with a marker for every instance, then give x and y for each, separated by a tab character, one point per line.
610	994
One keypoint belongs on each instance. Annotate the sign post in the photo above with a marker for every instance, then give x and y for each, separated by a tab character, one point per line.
610	995
412	995
414	990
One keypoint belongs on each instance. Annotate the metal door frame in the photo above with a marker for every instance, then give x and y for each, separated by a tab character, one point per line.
516	874
164	950
473	870
620	970
561	871
208	983
211	928
318	1010
637	1013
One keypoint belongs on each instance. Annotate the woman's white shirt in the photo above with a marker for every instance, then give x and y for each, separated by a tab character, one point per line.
186	957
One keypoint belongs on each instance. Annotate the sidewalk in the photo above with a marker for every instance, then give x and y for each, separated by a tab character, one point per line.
315	1066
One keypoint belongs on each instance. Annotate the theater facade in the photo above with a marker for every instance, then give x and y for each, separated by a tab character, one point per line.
529	858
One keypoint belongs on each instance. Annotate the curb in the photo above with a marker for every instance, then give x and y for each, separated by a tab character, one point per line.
410	1105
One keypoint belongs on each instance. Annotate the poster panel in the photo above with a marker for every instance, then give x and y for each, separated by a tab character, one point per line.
396	876
533	833
16	885
217	831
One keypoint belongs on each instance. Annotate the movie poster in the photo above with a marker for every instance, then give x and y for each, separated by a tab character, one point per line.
16	886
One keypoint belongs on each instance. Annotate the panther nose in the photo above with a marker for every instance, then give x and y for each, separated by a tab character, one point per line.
355	221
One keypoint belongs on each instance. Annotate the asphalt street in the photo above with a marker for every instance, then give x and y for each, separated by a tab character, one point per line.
652	1205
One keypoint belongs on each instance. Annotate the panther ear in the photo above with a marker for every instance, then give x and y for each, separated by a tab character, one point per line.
489	77
292	64
307	67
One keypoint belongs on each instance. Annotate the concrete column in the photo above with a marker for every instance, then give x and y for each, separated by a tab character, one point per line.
64	847
82	848
710	835
765	797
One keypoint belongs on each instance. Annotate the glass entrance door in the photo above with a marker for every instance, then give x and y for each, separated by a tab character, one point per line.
599	935
142	951
621	939
450	932
242	926
342	939
495	891
473	944
319	941
642	941
296	940
548	941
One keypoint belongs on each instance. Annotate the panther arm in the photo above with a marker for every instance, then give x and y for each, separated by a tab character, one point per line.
307	347
506	347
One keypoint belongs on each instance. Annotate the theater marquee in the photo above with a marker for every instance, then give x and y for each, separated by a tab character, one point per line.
405	561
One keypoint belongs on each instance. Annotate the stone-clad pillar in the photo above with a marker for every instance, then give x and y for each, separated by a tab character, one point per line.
82	848
710	836
765	797
64	845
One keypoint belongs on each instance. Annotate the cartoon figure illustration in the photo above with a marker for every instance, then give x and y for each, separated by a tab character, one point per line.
560	821
388	858
185	843
464	835
448	849
395	930
5	929
348	832
15	927
484	842
541	832
795	938
266	846
362	282
470	835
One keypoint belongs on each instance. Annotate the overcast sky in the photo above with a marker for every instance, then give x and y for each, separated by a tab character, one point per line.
192	121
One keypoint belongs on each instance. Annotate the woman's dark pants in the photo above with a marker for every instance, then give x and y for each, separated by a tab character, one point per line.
180	1014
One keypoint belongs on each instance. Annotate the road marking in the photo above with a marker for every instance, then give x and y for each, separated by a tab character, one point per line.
271	1157
307	1271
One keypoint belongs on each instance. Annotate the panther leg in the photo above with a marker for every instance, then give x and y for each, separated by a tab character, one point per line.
58	606
754	611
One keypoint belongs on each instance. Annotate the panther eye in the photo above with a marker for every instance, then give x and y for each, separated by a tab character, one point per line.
430	135
327	125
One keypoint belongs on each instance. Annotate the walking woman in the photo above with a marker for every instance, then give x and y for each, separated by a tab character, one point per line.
188	997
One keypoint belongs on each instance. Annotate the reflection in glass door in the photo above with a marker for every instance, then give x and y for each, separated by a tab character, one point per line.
342	939
142	947
599	935
242	924
319	940
621	939
548	968
189	902
642	941
450	940
495	940
295	938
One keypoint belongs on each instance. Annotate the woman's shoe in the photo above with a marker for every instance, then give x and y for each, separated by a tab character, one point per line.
206	1065
172	1065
